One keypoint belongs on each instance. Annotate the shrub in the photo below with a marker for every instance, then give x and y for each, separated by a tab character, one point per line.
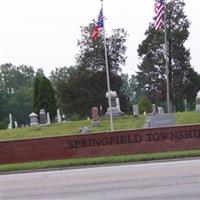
145	105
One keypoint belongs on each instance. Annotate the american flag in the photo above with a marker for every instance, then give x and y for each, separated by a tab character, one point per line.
160	8
98	26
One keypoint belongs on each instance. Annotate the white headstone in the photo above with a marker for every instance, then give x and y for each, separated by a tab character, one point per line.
154	108
197	108
48	119
33	119
59	116
16	125
160	110
135	110
185	104
10	126
117	103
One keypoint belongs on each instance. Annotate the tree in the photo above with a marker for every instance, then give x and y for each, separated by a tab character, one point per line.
151	75
16	85
20	105
13	78
44	96
83	86
92	54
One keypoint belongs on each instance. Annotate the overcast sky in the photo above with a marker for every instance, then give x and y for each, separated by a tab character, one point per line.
44	33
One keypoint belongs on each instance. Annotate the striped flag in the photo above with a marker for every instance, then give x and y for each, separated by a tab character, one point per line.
98	26
159	8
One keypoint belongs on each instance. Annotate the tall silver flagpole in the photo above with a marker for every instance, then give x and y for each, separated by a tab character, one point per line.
166	59
107	72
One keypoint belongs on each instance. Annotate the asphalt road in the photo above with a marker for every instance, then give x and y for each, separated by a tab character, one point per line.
178	180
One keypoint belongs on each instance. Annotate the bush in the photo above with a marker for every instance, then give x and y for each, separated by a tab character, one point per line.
3	125
145	105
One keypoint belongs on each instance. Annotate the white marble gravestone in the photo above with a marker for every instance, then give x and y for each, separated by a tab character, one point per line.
197	107
33	119
10	125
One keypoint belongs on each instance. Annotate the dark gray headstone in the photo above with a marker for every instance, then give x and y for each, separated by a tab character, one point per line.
43	116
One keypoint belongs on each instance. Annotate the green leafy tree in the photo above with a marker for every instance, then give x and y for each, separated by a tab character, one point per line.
16	84
92	54
79	90
83	86
151	75
44	96
20	105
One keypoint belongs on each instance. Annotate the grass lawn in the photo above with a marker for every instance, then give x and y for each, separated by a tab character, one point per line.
59	164
71	128
187	118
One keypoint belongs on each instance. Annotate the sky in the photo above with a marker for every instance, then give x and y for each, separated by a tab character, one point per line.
44	33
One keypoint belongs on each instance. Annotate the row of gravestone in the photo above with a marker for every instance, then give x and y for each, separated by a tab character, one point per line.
157	114
168	119
35	120
43	118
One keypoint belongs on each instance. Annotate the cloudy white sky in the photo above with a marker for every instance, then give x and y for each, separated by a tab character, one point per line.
44	33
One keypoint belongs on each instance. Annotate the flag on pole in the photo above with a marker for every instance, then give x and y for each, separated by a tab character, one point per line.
159	8
98	26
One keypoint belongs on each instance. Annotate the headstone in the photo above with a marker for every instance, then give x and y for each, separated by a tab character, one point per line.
161	120
85	129
48	119
154	110
160	110
59	118
116	112
100	110
10	125
33	119
117	103
135	110
16	124
185	104
197	108
43	117
95	117
63	117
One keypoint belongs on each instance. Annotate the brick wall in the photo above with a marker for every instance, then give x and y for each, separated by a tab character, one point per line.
101	144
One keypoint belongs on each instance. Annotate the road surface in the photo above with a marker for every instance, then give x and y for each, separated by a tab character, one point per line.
179	180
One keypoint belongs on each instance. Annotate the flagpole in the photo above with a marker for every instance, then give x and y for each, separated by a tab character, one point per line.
107	74
166	59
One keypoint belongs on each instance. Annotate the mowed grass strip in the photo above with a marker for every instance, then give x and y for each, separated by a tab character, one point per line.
60	164
71	128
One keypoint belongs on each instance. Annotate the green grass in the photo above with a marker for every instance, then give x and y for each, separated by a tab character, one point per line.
71	128
97	161
187	118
